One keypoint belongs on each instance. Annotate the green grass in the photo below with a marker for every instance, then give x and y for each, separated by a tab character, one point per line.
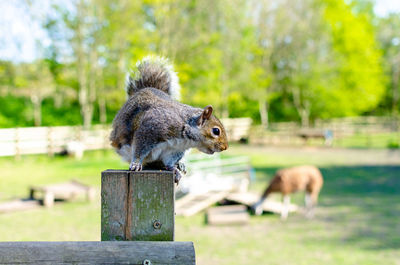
357	221
382	140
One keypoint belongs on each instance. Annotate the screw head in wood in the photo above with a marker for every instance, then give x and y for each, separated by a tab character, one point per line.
146	262
157	224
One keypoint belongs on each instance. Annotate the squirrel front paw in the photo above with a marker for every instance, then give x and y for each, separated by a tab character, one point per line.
135	166
181	167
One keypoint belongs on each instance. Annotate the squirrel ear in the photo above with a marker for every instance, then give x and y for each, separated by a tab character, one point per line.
207	111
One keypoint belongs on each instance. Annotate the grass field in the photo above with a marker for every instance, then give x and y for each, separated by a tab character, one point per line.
380	140
357	222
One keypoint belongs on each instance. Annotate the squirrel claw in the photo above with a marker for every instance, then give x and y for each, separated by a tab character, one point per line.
176	172
181	167
135	166
177	175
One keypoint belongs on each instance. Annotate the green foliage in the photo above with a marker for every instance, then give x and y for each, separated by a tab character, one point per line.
360	82
242	106
280	61
392	144
66	114
15	112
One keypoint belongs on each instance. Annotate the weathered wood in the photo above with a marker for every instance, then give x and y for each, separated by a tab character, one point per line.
114	204
48	199
46	253
228	215
137	205
66	190
19	205
151	198
250	198
192	204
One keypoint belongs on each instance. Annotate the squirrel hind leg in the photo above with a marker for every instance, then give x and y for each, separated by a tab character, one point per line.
126	152
176	171
177	176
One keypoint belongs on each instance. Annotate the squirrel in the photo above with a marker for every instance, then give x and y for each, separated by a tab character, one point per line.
153	130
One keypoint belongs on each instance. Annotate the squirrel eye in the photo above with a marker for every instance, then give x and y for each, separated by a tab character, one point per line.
215	131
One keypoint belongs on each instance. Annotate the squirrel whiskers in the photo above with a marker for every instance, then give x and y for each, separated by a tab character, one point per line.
154	130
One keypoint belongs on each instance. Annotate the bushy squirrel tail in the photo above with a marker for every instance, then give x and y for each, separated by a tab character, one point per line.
154	72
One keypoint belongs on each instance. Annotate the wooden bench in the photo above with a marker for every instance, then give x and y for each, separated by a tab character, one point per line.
326	135
19	205
65	191
219	177
228	215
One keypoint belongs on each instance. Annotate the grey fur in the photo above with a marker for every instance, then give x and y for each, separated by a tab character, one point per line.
157	128
153	72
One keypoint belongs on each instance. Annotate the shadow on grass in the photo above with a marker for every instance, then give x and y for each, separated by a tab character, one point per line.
361	202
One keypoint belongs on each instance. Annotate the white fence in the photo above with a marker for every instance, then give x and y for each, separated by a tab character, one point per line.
50	140
237	128
369	131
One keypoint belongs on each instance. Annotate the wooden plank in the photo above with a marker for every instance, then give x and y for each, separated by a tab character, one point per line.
64	190
139	252
199	202
228	215
114	204
7	135
19	205
212	163
137	206
249	198
151	201
184	200
35	140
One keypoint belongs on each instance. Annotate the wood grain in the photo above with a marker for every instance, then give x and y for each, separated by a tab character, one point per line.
46	253
114	207
228	215
133	201
151	199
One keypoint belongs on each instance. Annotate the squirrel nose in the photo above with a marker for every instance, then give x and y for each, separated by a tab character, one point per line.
224	147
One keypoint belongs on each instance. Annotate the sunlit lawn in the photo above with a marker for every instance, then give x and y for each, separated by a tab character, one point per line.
382	140
357	221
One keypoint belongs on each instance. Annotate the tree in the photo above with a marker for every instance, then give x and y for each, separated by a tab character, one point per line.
389	39
320	59
35	81
360	81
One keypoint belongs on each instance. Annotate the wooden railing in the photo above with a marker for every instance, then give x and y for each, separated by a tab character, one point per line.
369	131
50	140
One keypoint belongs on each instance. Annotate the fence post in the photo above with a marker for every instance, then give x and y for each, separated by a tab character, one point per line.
17	145
137	206
50	144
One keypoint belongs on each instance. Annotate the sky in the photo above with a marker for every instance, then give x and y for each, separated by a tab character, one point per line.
21	38
383	7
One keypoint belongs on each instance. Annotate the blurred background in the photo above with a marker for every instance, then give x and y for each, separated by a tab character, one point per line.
295	82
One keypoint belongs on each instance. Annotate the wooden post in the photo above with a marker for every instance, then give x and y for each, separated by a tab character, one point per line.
50	142
17	146
137	206
134	206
